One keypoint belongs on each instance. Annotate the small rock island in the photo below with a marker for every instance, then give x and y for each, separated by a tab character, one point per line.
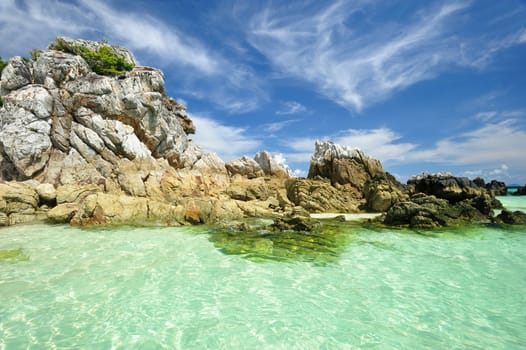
88	136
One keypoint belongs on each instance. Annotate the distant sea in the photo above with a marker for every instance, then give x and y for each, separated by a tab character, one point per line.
188	288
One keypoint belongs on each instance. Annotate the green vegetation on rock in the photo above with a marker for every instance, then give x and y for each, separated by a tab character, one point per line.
2	65
102	61
34	53
13	255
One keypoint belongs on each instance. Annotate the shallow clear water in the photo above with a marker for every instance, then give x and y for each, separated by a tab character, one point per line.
151	288
513	202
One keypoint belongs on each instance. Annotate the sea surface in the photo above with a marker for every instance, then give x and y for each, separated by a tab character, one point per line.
198	288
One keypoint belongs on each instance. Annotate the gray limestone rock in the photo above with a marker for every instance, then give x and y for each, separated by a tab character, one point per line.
24	139
15	75
52	68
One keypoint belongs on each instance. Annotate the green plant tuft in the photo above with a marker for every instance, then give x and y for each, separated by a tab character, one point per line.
34	53
2	65
102	61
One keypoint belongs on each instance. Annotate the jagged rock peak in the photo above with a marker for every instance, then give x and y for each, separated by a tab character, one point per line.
270	165
343	165
327	151
263	164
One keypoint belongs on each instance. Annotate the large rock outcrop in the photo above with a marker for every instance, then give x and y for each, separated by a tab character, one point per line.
383	191
59	114
442	200
91	144
342	179
498	188
64	125
451	188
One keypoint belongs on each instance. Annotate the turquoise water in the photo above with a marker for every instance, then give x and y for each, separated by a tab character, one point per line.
514	202
175	288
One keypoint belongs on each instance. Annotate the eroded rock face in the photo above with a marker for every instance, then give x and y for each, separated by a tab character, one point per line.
342	165
319	196
15	75
270	166
383	191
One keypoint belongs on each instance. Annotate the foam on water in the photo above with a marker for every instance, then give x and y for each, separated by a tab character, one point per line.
140	288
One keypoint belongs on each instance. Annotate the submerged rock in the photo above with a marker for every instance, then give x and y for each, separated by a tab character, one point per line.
254	242
13	255
512	217
294	223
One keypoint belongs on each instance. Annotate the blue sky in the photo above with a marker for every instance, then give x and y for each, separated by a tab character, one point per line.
420	85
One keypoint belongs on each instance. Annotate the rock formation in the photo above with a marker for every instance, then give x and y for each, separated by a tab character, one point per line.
342	165
353	181
383	191
442	200
512	217
263	164
59	117
497	188
521	191
270	166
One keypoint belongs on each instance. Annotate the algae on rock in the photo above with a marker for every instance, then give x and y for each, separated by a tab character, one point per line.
321	246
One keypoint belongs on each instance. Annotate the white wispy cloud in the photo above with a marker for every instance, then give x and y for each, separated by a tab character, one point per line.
141	32
500	115
488	174
291	107
227	141
197	66
277	126
490	145
495	146
357	67
382	143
